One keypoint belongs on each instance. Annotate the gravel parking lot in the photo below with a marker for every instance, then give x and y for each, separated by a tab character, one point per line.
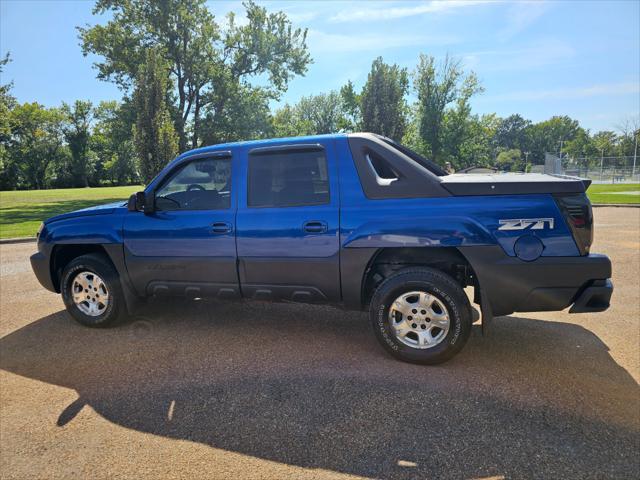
206	390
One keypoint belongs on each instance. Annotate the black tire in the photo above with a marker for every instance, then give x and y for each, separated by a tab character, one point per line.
436	283
115	310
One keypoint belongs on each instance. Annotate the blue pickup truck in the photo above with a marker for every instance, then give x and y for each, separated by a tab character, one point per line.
354	220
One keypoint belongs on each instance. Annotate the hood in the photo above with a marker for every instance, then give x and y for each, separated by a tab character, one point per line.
512	184
96	210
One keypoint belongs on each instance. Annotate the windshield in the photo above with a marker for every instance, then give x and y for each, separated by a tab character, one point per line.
416	157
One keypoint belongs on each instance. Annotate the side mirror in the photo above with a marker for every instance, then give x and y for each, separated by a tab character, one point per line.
132	204
139	202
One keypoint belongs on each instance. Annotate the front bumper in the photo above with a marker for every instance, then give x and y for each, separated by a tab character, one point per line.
40	266
546	284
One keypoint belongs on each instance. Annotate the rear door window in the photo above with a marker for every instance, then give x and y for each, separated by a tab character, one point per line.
288	179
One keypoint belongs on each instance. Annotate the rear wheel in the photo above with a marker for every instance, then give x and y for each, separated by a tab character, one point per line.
91	291
421	315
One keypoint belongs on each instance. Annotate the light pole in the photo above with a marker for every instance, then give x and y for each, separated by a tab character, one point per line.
601	162
526	161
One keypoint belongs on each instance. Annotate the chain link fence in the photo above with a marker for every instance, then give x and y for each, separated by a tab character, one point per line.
598	169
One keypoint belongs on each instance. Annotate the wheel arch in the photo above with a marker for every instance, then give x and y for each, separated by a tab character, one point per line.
388	260
62	254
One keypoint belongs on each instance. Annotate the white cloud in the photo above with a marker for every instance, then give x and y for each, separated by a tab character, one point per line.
605	89
336	42
371	14
301	17
521	15
543	53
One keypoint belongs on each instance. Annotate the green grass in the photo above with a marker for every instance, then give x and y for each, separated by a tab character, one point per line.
22	211
605	193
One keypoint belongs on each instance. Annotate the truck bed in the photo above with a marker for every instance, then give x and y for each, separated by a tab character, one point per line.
512	184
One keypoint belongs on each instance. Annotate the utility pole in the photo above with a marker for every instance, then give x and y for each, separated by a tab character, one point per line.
559	168
635	155
601	162
526	161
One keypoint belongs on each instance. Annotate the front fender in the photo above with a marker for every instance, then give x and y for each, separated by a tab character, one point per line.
91	229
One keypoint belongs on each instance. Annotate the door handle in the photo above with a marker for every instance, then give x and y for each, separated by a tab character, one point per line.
221	227
314	226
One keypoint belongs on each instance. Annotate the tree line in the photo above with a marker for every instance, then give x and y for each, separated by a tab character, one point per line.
189	80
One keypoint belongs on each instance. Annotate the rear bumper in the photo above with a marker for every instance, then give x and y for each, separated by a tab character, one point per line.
40	266
595	297
546	284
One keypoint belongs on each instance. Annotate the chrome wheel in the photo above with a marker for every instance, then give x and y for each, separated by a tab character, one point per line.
90	294
419	319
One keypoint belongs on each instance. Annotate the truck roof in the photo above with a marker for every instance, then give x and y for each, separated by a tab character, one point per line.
263	142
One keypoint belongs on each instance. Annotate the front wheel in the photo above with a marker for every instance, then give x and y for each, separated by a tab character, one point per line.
421	315
91	291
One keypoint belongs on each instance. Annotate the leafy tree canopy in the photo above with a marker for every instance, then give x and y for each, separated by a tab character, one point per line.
206	60
442	88
383	106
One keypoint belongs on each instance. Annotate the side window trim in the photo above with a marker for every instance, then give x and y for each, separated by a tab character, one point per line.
294	147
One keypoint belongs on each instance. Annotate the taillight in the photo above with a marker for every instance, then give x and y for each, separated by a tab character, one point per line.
576	209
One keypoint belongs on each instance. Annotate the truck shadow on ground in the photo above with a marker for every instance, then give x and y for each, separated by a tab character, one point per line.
311	387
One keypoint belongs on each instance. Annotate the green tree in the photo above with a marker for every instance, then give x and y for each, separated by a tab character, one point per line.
6	88
8	169
476	147
442	89
580	148
628	132
322	112
155	138
77	134
382	104
351	108
458	125
548	136
312	115
605	142
112	141
205	60
512	133
245	115
37	141
286	123
411	137
510	161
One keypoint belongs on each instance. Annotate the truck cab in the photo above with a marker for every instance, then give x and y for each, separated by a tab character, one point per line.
353	220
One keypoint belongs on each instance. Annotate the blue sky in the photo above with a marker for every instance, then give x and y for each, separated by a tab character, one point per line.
536	58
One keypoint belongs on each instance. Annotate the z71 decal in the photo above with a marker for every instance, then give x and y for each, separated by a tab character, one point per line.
526	223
